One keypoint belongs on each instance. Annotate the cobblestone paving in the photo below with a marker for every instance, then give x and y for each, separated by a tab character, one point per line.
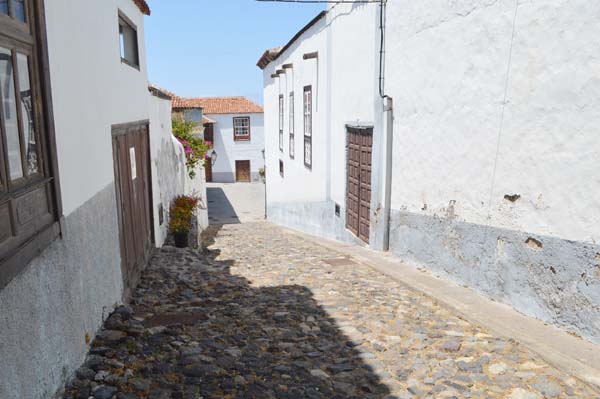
266	314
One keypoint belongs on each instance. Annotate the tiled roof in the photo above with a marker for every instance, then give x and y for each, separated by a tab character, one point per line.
219	105
143	6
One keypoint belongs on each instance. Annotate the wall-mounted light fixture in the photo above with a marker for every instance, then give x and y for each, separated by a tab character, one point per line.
213	157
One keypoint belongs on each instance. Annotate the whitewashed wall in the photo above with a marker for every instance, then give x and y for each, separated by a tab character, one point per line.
228	150
498	98
342	80
168	167
91	90
63	295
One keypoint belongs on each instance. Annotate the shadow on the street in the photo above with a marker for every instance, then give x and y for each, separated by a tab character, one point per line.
244	341
220	209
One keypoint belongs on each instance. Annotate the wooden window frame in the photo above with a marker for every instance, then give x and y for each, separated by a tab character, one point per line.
292	149
245	137
125	20
281	122
308	124
22	241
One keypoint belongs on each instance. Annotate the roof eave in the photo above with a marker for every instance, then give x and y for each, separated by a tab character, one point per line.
143	6
263	62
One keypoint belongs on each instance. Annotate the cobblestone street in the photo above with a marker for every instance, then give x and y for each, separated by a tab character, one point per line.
265	314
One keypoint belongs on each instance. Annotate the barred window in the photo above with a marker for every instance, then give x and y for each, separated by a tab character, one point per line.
308	126
241	128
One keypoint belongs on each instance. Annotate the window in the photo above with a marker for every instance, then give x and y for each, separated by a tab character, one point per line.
292	125
281	167
308	126
128	42
29	192
281	122
14	9
241	128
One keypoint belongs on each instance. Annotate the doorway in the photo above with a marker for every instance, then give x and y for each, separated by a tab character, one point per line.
359	148
242	171
131	157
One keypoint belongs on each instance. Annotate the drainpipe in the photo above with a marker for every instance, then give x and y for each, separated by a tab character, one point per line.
386	128
386	170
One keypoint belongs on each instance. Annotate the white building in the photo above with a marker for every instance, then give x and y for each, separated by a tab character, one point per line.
235	127
80	133
464	142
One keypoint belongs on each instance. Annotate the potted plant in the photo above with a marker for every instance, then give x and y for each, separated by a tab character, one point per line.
180	222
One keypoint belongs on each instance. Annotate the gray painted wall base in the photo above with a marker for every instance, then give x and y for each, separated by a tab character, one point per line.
60	297
316	218
555	280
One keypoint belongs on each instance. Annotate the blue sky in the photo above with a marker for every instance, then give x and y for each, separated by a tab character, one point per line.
202	48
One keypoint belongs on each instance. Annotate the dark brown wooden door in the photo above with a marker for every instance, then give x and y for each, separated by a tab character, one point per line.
358	198
209	136
132	180
242	171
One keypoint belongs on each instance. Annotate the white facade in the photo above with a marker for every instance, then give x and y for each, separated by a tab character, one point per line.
58	301
498	103
342	89
230	150
491	155
93	93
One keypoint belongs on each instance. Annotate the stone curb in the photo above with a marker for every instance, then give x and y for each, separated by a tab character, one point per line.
573	355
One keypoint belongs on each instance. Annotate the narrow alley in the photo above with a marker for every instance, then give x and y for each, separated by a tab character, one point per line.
261	313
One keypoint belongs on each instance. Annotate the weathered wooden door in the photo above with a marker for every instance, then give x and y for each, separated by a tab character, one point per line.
209	136
242	171
131	154
358	198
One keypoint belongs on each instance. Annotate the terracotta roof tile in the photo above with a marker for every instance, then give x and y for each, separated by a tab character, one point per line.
219	105
143	6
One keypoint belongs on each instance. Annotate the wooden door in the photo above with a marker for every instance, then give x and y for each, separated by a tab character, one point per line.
209	136
242	171
358	194
131	154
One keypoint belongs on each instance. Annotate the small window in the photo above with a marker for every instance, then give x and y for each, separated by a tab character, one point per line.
241	128
308	126
128	42
292	125
281	167
281	122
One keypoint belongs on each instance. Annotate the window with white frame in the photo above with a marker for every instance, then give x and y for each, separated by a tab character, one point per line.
308	126
241	128
291	125
281	122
